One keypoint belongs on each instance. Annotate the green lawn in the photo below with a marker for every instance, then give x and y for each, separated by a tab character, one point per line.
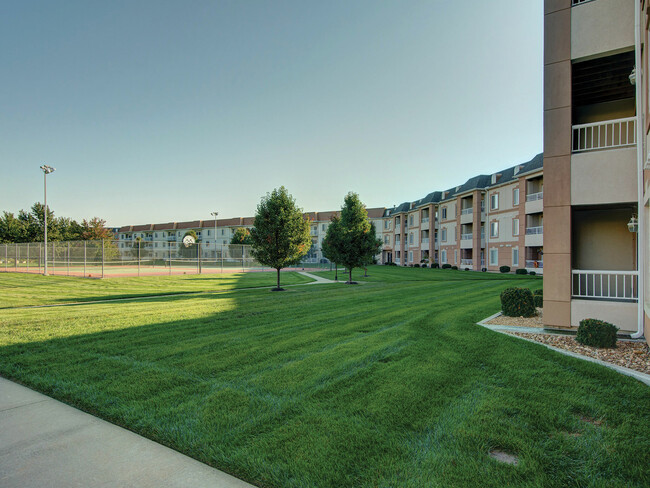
20	289
385	384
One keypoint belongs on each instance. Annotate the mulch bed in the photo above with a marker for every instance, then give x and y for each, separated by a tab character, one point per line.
632	355
519	321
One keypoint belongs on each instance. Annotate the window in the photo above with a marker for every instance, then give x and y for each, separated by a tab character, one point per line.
444	213
155	244
410	256
411	220
209	232
515	227
494	201
386	240
494	257
515	257
443	236
223	231
494	229
411	238
156	234
455	256
515	196
443	256
323	227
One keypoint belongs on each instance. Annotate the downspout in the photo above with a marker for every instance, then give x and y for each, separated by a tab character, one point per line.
640	127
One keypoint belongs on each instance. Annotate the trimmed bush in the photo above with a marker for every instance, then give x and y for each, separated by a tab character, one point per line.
435	265
538	297
455	268
505	269
484	270
517	302
596	333
532	273
416	265
521	271
425	265
446	266
466	269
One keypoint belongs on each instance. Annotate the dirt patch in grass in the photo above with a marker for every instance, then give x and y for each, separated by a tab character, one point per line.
633	355
504	457
519	321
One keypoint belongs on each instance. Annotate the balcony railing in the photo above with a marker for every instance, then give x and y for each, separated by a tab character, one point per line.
464	237
604	135
534	230
531	263
533	197
425	221
466	262
605	285
467	211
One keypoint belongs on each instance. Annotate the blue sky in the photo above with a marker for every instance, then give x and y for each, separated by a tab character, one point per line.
162	111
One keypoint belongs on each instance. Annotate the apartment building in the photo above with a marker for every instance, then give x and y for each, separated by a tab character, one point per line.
160	239
488	222
595	203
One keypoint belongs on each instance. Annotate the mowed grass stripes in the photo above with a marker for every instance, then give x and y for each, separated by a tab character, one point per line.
385	384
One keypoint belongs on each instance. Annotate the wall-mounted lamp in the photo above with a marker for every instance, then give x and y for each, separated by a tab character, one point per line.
633	224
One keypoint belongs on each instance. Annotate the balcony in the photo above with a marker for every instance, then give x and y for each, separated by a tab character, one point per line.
534	203
466	215
425	221
171	239
534	236
531	263
467	211
533	197
466	262
425	241
605	285
535	230
604	135
464	237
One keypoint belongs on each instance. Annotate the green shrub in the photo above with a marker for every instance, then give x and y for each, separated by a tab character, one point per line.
424	265
532	273
538	297
446	266
466	269
517	302
521	271
484	270
416	265
596	333
455	268
435	265
505	269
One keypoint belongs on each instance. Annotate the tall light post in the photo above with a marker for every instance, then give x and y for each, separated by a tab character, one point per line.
46	171
214	214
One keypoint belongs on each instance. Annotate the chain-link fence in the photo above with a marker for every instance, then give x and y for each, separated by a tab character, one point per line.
99	259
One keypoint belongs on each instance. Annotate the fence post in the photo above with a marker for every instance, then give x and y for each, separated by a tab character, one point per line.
242	258
16	258
39	257
221	258
138	258
103	258
68	258
198	255
85	258
53	259
169	246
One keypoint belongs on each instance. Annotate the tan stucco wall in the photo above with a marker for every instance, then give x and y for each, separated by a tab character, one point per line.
622	314
608	176
602	26
602	241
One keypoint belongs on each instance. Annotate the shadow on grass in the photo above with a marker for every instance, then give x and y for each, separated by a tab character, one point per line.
339	386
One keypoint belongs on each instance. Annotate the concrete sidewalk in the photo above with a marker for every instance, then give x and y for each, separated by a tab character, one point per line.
45	443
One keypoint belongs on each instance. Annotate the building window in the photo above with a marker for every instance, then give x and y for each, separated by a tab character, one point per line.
515	196
444	213
411	220
494	229
209	231
455	256
515	257
323	227
443	256
410	256
155	244
515	227
223	232
494	201
411	238
386	240
494	257
156	235
443	235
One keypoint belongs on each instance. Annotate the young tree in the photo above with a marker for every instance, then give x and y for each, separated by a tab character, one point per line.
331	243
354	241
242	236
280	234
95	229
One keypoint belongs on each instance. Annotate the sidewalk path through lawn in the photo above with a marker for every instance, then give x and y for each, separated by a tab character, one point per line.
44	442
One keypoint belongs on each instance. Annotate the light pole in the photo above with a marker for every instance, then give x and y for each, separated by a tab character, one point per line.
46	171
214	214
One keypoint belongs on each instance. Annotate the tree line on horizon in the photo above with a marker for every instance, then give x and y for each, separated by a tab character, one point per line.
28	226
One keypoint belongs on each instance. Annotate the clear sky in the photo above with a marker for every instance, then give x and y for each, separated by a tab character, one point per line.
155	111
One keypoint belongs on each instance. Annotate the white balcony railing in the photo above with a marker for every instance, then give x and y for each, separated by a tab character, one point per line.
424	240
604	135
467	211
533	197
424	221
605	285
534	230
530	263
464	237
466	262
